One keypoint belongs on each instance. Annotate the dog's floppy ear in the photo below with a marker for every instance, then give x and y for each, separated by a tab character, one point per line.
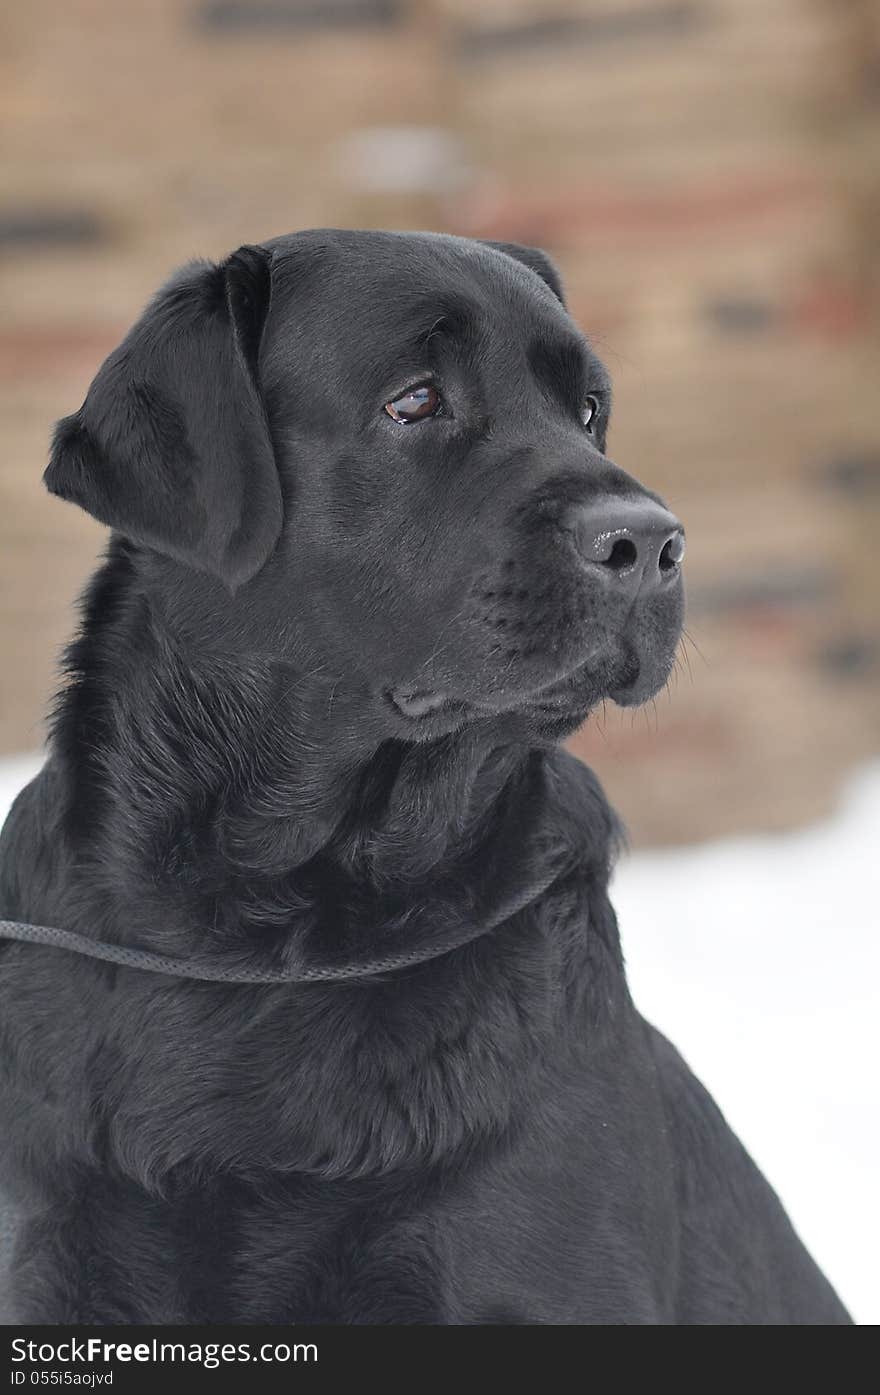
171	445
536	261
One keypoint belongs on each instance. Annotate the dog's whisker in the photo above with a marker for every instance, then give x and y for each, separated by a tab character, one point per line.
688	641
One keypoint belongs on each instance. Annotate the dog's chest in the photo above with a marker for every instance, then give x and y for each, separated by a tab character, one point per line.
527	1237
344	1081
426	1254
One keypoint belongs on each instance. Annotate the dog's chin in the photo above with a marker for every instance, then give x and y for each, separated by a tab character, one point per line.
626	679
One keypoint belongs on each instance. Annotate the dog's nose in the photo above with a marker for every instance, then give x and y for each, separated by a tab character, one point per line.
638	544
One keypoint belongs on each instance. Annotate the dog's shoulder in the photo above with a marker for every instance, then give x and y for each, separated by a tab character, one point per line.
9	1223
27	854
741	1260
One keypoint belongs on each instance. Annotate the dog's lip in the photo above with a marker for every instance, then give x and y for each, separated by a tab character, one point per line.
417	704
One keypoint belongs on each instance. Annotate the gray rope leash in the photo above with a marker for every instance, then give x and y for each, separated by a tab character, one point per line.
311	973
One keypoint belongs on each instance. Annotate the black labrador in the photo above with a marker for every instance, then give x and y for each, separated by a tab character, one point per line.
369	564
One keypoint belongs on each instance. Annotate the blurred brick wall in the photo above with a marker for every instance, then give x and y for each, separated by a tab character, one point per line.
704	171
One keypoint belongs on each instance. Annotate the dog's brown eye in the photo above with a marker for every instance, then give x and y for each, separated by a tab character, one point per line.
589	412
415	405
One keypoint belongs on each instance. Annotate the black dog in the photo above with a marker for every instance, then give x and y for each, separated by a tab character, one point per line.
370	563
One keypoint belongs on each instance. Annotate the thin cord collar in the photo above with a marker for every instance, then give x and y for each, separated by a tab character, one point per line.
214	972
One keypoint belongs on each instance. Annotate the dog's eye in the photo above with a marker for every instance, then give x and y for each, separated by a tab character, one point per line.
589	413
415	405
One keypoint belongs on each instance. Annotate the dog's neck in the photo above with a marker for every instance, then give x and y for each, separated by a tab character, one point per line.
244	782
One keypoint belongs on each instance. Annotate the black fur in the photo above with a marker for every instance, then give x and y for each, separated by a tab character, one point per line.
314	707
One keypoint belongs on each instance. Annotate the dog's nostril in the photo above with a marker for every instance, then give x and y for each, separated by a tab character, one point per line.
672	553
623	554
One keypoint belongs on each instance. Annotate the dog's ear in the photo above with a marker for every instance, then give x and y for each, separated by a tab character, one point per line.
536	261
171	446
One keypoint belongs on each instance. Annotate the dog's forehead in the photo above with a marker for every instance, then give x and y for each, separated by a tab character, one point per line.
375	257
376	288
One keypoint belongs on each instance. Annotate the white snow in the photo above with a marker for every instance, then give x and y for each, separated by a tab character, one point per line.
759	958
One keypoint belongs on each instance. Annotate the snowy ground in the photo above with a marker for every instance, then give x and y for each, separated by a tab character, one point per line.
759	958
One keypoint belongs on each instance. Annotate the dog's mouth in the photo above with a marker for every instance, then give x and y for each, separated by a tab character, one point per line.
572	693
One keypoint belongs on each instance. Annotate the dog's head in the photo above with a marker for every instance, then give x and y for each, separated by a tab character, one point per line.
382	455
